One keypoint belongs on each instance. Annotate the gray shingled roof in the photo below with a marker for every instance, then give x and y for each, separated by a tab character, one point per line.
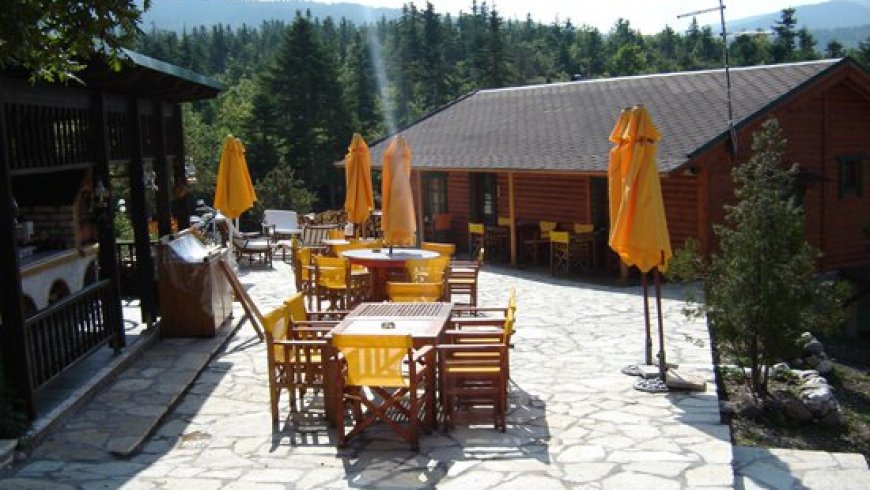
565	126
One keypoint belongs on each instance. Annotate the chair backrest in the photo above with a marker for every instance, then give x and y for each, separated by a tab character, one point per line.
301	257
374	360
354	245
481	254
546	227
331	272
503	221
508	328
336	234
313	235
427	270
447	249
296	308
441	222
512	300
276	323
475	228
281	219
583	228
415	292
560	237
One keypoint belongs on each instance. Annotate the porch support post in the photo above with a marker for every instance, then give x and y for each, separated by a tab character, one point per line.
161	172
182	203
513	217
139	217
419	204
14	341
108	258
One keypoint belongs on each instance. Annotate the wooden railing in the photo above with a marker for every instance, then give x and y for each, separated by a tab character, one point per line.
67	331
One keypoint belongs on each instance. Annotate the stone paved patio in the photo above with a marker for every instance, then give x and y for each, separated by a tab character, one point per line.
575	421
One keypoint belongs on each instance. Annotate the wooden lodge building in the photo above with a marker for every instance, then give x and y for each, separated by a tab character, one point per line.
64	151
541	152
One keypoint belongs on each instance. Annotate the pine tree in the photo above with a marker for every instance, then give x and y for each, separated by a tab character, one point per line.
784	44
835	49
361	88
761	290
806	45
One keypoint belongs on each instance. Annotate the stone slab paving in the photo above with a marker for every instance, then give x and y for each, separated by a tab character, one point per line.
756	467
574	422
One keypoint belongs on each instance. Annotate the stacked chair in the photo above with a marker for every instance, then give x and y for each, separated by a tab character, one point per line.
332	283
462	278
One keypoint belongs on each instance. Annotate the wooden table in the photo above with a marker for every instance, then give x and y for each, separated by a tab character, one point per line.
381	261
425	322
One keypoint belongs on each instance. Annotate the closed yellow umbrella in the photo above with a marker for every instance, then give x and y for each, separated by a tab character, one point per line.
235	192
638	226
639	229
398	221
358	201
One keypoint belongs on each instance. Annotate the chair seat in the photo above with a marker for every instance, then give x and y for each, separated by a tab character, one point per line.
459	281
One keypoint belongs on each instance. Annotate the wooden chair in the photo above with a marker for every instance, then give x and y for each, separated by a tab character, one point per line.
476	238
427	270
252	313
536	248
295	349
336	234
332	282
394	373
486	312
313	236
474	371
303	270
446	249
250	244
462	278
562	256
415	292
498	239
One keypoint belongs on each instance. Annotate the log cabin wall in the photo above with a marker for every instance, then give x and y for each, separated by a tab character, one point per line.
681	208
549	197
459	206
819	125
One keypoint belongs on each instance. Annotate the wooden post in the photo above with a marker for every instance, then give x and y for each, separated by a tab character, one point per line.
182	204
419	205
108	258
513	217
161	172
13	340
139	217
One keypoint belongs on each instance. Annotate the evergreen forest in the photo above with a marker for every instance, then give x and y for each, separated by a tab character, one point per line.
297	90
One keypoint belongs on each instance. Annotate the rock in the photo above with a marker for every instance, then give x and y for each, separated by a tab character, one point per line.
824	366
814	346
814	382
805	339
797	411
809	373
780	370
812	361
819	400
833	418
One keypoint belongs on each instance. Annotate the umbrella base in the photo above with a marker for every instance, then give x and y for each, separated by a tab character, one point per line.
654	385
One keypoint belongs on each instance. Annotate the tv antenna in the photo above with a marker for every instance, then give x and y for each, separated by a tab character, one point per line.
721	9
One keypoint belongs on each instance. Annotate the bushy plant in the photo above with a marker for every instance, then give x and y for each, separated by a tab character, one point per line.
761	290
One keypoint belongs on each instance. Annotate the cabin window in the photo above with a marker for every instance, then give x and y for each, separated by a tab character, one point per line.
434	193
850	171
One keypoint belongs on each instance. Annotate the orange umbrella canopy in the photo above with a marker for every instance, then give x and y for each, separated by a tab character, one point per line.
638	227
358	200
235	192
398	221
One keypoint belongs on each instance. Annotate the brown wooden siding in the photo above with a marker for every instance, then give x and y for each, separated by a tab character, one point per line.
549	197
681	208
458	195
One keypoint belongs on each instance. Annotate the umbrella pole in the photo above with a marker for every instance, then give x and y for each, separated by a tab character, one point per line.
662	361
648	340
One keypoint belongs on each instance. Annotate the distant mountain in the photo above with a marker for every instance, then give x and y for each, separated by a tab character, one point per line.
178	14
828	15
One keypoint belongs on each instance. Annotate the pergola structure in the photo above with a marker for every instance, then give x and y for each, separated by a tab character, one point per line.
58	143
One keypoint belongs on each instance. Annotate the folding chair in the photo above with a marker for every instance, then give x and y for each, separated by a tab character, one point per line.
415	292
394	373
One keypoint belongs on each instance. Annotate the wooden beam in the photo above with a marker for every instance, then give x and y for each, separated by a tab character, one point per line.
139	217
182	204
161	172
513	217
108	258
13	339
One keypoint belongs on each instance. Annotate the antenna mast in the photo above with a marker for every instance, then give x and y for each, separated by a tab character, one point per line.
721	8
